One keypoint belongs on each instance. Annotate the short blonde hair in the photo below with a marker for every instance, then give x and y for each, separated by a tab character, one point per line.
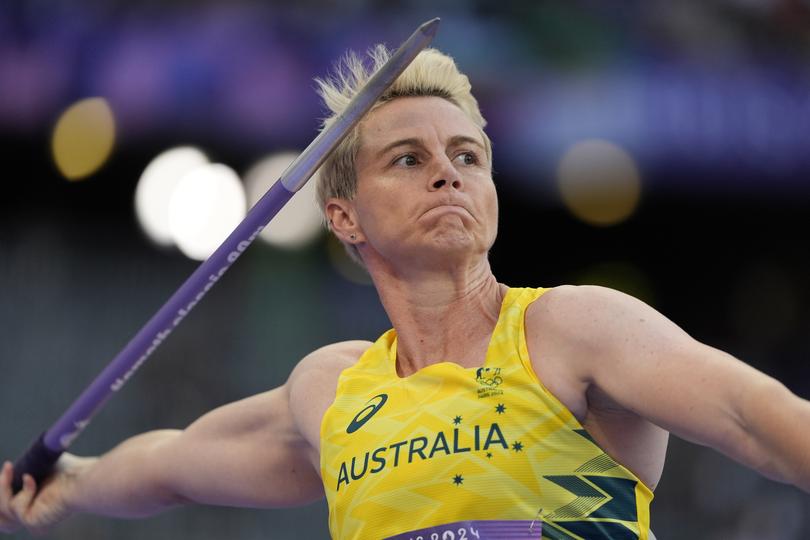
432	73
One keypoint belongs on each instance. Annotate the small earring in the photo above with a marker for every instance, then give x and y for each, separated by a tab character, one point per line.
352	236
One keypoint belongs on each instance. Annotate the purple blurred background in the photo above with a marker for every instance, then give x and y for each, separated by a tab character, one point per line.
710	100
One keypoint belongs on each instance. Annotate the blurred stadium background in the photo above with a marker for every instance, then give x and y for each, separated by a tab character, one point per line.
659	147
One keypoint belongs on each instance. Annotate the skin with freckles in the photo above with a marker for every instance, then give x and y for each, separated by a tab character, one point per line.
423	218
425	197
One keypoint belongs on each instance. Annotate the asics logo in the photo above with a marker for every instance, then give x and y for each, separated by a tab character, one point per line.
374	405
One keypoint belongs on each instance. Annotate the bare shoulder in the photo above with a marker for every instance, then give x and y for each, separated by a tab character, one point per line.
313	383
559	342
328	360
589	345
574	332
573	303
589	315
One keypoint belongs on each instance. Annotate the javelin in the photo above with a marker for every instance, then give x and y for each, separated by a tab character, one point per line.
39	459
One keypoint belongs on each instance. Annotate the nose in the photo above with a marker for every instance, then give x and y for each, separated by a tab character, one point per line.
445	175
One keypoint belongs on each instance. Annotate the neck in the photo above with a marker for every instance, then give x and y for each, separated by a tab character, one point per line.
442	315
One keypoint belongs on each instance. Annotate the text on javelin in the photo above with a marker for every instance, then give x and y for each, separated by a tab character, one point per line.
161	336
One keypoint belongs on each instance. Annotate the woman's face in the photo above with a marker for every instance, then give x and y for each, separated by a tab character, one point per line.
424	184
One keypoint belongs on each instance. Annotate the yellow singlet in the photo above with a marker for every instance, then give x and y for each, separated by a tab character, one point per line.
453	453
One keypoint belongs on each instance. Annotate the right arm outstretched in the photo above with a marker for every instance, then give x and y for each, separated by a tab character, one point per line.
248	453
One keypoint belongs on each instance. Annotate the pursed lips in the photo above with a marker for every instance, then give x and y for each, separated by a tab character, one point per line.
449	207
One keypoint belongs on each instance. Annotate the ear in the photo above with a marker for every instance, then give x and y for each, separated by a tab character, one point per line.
343	221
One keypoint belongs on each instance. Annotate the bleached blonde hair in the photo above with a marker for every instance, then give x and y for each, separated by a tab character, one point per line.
432	73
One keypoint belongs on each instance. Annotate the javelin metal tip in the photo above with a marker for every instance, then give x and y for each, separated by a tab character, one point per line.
430	27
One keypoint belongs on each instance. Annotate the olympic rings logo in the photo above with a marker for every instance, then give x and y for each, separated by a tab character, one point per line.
489	376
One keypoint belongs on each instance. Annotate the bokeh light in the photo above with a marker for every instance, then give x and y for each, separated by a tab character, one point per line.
710	99
83	138
299	222
599	182
207	204
156	186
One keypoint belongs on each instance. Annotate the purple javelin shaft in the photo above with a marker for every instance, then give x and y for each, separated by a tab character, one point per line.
59	437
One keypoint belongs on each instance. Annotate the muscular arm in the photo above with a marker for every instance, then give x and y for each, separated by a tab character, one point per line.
247	453
258	452
648	365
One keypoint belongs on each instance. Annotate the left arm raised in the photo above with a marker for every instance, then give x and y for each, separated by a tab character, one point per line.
648	365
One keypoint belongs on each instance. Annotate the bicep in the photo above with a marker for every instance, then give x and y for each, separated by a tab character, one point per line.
703	394
690	389
650	366
248	453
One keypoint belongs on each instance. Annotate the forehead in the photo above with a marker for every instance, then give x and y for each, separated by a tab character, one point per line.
415	117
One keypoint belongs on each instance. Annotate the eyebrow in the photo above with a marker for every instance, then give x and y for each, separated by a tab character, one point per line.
455	140
401	142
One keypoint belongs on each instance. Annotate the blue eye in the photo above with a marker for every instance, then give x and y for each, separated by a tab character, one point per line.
408	160
468	158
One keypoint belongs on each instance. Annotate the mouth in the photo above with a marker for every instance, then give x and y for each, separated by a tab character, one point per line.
448	209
